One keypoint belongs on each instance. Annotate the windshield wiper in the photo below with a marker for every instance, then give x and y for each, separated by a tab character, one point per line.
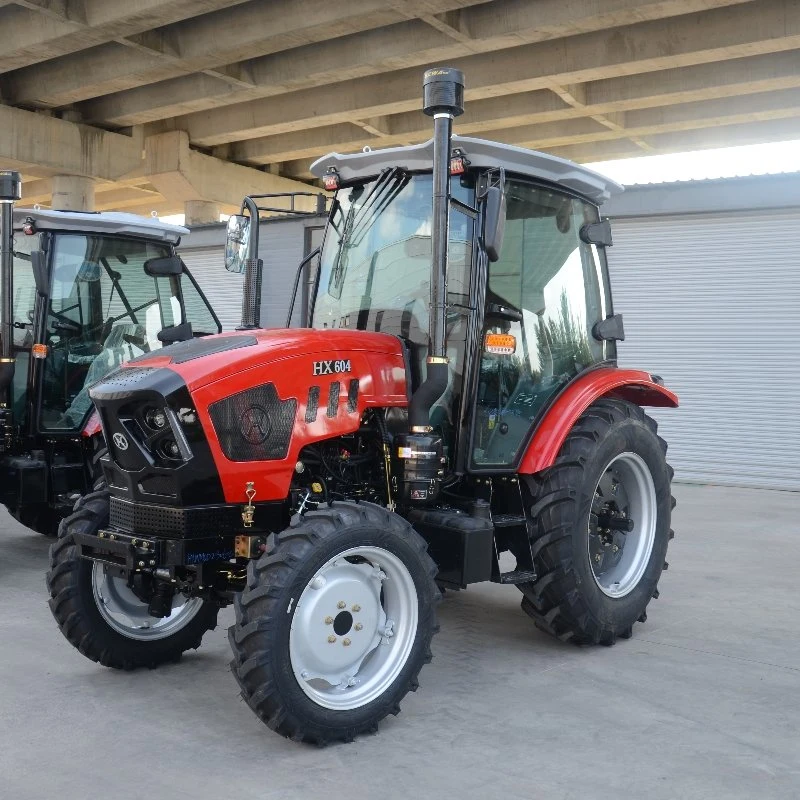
389	184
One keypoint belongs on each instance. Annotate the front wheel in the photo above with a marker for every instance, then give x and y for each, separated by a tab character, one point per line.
335	623
102	616
600	521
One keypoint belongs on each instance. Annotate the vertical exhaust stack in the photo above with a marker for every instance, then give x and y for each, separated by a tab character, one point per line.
419	454
10	192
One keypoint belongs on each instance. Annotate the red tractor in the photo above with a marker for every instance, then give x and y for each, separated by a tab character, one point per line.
456	398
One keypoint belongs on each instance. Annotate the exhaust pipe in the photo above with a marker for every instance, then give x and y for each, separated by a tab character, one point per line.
10	192
443	99
419	453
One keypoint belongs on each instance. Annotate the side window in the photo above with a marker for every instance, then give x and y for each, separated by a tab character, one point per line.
545	292
104	309
197	311
24	289
23	303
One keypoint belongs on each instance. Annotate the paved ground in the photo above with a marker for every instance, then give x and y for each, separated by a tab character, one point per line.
703	702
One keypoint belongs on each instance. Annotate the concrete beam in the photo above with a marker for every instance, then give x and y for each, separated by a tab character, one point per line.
685	141
205	41
718	35
740	77
38	32
56	147
182	174
492	26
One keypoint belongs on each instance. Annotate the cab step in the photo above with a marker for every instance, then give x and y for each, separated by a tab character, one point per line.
517	576
507	520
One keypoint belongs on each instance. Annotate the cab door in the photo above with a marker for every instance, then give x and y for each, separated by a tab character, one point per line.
544	295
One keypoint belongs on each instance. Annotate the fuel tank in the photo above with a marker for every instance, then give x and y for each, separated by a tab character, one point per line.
259	398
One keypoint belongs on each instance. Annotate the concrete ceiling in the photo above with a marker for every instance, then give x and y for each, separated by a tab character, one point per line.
160	103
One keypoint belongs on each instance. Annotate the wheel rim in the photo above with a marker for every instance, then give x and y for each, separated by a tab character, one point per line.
625	497
353	628
128	615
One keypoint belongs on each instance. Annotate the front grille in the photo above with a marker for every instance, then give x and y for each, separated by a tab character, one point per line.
254	425
184	523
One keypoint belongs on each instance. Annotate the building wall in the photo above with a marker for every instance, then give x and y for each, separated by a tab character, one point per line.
711	302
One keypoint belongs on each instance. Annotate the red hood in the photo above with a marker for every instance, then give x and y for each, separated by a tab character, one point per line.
272	345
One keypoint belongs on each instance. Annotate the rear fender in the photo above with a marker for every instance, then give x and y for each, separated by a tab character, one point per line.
635	386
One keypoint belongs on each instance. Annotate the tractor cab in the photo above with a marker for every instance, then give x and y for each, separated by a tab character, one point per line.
88	291
526	282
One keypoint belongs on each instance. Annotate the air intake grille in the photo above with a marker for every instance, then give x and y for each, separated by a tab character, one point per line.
254	425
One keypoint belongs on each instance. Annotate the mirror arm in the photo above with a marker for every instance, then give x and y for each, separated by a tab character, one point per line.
302	264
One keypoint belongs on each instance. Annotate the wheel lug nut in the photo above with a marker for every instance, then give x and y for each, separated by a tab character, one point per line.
341	604
356	607
329	620
346	642
358	626
331	639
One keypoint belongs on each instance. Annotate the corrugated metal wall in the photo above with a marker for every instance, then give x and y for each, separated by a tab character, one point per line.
222	289
282	245
711	302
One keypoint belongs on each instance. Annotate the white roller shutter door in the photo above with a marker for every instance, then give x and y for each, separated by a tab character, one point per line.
222	289
712	304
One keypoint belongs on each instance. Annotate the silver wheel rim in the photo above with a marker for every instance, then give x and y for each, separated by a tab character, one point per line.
353	628
625	493
128	615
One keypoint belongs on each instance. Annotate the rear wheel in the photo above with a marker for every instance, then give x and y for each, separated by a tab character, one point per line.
600	520
335	623
102	616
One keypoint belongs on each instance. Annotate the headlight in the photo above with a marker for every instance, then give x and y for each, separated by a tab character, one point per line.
155	418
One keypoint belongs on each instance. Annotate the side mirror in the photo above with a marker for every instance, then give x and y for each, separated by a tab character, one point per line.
494	221
236	243
163	267
597	233
39	269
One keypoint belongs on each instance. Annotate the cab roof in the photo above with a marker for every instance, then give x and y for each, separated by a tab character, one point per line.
108	222
480	153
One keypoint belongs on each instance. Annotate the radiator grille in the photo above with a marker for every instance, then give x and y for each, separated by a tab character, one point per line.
254	425
184	523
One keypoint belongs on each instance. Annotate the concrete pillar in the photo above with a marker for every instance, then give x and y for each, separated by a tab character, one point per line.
200	212
73	193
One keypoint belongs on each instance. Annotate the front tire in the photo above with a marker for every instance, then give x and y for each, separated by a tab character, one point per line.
101	616
335	623
600	521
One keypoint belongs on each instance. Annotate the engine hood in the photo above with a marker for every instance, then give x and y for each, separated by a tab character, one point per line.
204	361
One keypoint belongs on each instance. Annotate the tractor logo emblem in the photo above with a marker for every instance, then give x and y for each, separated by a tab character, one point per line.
120	441
255	425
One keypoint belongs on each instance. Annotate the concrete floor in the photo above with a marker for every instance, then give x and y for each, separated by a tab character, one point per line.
703	701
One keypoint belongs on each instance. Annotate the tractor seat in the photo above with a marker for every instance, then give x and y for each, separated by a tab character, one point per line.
123	343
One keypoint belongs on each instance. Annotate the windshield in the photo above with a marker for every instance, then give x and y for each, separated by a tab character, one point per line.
104	309
376	262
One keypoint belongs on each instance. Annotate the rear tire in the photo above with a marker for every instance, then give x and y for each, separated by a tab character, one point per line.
593	582
314	652
78	587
